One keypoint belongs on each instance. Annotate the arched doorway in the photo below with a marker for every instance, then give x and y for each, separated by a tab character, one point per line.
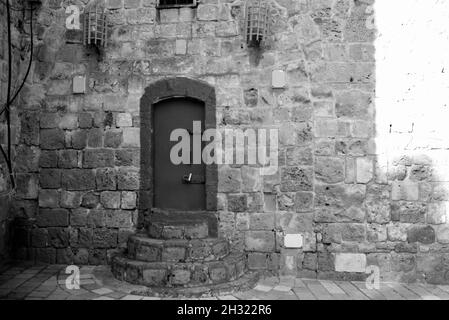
176	192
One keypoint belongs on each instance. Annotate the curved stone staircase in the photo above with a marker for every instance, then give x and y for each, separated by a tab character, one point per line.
181	257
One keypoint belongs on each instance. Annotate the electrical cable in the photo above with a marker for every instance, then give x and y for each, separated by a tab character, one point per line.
28	69
11	101
12	8
8	99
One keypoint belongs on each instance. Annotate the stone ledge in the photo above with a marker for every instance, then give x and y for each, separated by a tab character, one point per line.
183	275
145	249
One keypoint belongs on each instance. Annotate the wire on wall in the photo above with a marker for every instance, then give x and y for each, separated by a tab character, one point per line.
10	98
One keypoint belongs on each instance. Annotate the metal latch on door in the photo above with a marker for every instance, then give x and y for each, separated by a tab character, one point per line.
193	179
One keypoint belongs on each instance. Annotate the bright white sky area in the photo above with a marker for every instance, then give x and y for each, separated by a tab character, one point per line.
412	77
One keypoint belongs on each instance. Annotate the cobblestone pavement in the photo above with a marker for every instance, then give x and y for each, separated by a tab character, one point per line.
47	282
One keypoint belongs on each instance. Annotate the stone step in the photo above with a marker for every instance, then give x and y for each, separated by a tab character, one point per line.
178	230
187	275
103	276
142	248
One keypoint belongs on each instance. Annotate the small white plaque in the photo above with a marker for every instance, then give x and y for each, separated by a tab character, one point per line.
79	84
293	241
278	79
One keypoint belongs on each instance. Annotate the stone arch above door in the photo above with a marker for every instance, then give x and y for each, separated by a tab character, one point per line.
166	89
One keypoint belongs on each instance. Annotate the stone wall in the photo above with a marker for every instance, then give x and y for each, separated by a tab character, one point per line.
78	173
18	65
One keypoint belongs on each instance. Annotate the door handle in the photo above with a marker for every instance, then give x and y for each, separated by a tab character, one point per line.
187	178
193	179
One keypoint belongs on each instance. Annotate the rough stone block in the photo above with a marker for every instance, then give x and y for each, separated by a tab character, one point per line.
90	200
85	120
68	159
98	158
405	190
68	121
59	237
113	138
154	277
257	261
124	120
174	254
296	179
104	238
262	221
78	217
437	213
48	198
229	180
94	138
140	15
78	180
110	199
126	158
353	105
129	200
70	200
422	234
261	241
329	170
365	170
131	137
350	262
237	202
78	139
128	179
131	4
207	12
408	212
106	179
48	159
118	218
52	139
53	218
180	276
50	178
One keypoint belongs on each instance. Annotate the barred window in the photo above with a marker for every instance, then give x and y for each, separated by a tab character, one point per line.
176	3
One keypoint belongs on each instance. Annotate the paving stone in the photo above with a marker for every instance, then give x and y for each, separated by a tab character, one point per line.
102	291
132	297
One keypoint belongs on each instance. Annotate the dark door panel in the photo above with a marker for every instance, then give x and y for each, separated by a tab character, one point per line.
172	188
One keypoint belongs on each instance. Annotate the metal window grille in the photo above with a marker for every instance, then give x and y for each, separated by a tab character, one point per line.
256	22
95	25
175	3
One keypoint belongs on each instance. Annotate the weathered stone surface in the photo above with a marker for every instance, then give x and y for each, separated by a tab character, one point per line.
408	212
405	190
296	179
229	180
68	159
422	234
53	218
50	178
48	198
329	170
128	179
98	158
350	262
129	200
237	203
110	199
52	139
365	170
106	179
78	180
262	241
